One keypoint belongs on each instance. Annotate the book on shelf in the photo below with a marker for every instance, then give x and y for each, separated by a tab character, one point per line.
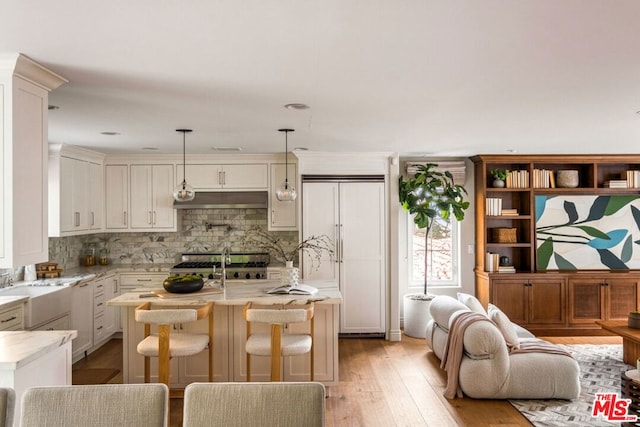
518	179
509	212
494	206
543	178
633	179
616	183
491	262
506	269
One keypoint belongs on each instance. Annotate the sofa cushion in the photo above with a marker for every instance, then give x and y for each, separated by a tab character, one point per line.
504	325
442	310
472	302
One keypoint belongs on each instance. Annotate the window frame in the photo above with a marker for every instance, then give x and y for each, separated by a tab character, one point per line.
455	281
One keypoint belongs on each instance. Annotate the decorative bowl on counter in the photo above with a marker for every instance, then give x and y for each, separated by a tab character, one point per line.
183	284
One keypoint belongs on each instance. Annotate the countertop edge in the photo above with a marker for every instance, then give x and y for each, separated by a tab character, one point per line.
19	348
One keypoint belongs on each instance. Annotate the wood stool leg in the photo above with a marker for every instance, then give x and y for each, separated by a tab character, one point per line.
276	349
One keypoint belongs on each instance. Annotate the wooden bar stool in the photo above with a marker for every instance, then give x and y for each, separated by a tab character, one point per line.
165	345
276	344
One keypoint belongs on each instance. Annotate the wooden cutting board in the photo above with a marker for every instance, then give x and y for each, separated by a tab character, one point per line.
161	293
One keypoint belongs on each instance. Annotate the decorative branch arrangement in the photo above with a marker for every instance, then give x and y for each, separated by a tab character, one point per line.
285	251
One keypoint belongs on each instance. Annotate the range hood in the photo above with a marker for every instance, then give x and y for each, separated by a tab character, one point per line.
226	200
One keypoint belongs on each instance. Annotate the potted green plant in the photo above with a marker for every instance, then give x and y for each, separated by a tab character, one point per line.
429	194
499	177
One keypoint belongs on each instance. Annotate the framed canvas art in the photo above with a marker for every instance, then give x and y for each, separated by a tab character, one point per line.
587	232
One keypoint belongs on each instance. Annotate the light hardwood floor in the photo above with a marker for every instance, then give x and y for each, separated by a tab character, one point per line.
383	383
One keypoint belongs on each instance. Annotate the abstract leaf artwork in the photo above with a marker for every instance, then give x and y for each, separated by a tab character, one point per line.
587	232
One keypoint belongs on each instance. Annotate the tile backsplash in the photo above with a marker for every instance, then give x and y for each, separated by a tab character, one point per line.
199	230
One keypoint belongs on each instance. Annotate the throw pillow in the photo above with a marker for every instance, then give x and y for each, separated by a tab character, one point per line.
471	302
505	326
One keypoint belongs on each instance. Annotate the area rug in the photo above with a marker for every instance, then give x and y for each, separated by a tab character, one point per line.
88	376
600	369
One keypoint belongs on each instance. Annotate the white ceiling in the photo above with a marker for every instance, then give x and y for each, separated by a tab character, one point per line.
448	77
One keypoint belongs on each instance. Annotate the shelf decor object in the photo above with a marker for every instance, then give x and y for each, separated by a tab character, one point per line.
184	192
567	178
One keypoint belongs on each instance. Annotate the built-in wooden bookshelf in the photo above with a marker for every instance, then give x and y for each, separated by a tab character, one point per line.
512	209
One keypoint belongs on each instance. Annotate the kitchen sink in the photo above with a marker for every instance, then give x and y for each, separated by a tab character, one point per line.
45	303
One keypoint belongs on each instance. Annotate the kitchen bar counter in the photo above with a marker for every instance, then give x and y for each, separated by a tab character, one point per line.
34	358
229	333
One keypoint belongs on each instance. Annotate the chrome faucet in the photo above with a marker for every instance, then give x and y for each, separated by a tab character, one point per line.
225	258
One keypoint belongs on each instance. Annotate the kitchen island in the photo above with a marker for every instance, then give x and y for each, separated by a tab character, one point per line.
229	333
34	358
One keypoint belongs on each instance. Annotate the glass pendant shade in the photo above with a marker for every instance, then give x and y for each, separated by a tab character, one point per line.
183	192
286	192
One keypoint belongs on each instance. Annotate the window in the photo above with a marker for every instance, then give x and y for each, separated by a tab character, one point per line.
442	255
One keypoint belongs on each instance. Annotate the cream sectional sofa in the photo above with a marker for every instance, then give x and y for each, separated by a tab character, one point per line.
488	369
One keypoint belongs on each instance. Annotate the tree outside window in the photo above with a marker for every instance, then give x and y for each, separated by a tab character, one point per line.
441	256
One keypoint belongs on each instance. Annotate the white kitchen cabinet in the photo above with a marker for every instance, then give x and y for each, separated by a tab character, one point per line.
12	319
76	191
24	87
60	324
116	197
352	214
151	197
96	196
283	216
104	318
131	281
204	177
82	318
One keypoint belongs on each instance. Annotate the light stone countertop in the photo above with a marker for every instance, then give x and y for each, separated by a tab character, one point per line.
236	293
18	348
8	302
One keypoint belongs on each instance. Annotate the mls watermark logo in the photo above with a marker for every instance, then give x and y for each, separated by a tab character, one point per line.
612	408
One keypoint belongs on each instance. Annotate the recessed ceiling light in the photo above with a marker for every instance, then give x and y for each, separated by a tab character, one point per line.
226	148
53	107
511	150
109	133
150	148
300	149
296	106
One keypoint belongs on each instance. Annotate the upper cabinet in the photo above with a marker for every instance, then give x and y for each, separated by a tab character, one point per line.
24	94
76	191
152	197
282	215
203	177
116	197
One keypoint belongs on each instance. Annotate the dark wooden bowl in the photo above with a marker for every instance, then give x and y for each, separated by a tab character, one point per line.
183	286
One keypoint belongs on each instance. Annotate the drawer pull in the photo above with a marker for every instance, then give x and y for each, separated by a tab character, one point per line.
144	280
99	304
9	319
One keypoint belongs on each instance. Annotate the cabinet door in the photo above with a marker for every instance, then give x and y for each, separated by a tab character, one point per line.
362	258
282	215
82	318
111	314
586	301
320	216
163	215
141	196
622	297
245	176
547	301
200	177
511	296
96	197
117	197
80	198
67	211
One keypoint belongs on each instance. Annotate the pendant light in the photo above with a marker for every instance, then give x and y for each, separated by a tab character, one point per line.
184	192
286	192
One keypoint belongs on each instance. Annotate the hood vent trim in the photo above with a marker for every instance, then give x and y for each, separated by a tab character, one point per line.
226	200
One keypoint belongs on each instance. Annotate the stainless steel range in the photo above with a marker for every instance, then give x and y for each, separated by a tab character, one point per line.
208	265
